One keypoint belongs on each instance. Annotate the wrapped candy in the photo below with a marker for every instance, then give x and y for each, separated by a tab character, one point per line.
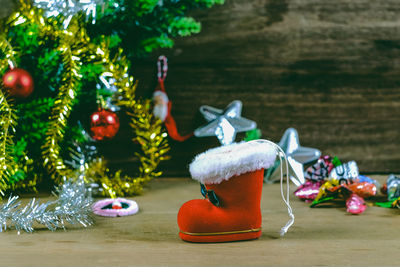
323	194
320	170
328	180
308	191
364	189
363	178
353	194
396	203
355	204
315	176
345	172
393	187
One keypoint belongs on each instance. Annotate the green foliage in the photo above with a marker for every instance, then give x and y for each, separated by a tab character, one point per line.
18	153
210	3
50	68
142	7
27	35
91	71
33	117
184	26
139	27
31	129
146	25
115	40
43	61
153	43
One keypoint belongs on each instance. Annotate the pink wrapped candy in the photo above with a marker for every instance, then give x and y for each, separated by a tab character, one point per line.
308	191
355	204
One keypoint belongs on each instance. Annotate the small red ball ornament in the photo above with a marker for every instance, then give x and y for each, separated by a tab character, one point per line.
104	124
18	82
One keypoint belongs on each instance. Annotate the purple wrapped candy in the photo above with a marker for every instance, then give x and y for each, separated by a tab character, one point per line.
345	173
320	170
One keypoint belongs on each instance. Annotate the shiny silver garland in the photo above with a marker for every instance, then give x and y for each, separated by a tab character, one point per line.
69	8
73	206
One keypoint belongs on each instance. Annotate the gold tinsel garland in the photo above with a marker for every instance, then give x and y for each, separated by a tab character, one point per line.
8	121
74	44
62	106
148	132
71	45
6	135
7	127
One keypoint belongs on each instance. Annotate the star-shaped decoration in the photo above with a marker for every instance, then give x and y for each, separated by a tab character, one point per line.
297	156
224	124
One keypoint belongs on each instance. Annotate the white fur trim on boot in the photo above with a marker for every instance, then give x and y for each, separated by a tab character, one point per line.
222	163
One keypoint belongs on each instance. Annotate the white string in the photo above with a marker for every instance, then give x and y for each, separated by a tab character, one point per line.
290	211
281	154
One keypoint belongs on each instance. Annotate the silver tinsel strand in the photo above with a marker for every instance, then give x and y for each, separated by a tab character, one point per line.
108	82
69	8
80	157
72	206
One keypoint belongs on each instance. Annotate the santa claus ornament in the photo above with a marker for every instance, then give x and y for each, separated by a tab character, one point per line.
232	178
162	104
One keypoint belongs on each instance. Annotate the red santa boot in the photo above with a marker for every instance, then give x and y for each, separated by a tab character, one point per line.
233	177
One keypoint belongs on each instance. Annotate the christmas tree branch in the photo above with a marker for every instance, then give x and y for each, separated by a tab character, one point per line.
66	49
8	122
8	55
148	133
62	106
7	128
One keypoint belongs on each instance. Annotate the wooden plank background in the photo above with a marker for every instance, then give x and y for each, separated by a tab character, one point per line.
330	69
6	7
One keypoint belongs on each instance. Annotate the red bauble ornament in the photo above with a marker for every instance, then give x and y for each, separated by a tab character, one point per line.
104	124
18	82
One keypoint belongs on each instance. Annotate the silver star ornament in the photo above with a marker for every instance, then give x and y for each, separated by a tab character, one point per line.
297	156
224	124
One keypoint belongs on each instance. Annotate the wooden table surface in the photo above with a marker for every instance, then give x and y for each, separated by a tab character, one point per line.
320	236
